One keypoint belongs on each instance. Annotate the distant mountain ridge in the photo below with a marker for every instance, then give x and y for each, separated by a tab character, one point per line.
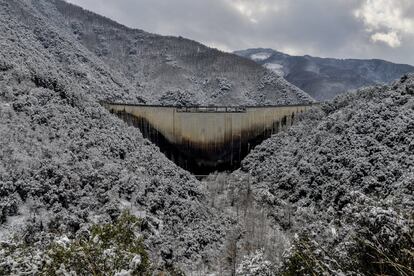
325	78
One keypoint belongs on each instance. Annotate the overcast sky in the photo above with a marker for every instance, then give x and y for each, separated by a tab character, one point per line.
327	28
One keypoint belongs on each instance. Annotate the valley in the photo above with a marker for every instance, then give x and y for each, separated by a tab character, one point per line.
105	131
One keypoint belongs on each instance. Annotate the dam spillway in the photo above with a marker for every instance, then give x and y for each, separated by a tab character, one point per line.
207	139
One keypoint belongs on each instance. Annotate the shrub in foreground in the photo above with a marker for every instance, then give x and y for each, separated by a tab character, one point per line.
109	249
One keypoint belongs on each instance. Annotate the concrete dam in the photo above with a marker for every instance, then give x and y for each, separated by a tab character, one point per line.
207	139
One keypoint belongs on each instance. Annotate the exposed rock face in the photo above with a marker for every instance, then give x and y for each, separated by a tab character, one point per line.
325	78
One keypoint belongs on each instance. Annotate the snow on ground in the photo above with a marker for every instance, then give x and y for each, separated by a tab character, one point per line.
260	56
275	67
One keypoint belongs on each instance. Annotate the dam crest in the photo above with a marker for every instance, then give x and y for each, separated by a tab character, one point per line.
204	139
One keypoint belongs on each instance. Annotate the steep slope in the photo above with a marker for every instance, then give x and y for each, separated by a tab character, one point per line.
325	78
30	40
66	163
342	180
142	66
173	68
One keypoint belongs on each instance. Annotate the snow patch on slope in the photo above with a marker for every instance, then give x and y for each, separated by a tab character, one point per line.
260	56
276	68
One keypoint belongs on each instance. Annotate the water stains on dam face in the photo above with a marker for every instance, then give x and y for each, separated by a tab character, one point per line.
207	139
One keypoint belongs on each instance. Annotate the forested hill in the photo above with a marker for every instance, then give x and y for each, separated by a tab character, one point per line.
82	193
114	62
342	181
66	163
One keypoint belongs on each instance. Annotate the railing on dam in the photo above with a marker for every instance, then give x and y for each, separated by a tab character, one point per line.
208	108
203	139
213	109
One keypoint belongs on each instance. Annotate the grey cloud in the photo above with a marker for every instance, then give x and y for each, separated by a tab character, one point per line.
326	28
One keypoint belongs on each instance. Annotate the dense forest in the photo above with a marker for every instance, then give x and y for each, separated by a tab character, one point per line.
82	193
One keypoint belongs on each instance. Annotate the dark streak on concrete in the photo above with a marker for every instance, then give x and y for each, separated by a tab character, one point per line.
204	158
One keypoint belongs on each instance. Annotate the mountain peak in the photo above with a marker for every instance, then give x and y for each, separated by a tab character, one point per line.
324	78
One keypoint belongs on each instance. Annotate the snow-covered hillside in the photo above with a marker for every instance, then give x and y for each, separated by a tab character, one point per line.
331	196
66	163
344	175
135	65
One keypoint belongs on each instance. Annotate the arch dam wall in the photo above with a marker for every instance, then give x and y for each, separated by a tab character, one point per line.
207	139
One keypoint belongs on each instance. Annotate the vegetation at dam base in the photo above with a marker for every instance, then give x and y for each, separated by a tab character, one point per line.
382	246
